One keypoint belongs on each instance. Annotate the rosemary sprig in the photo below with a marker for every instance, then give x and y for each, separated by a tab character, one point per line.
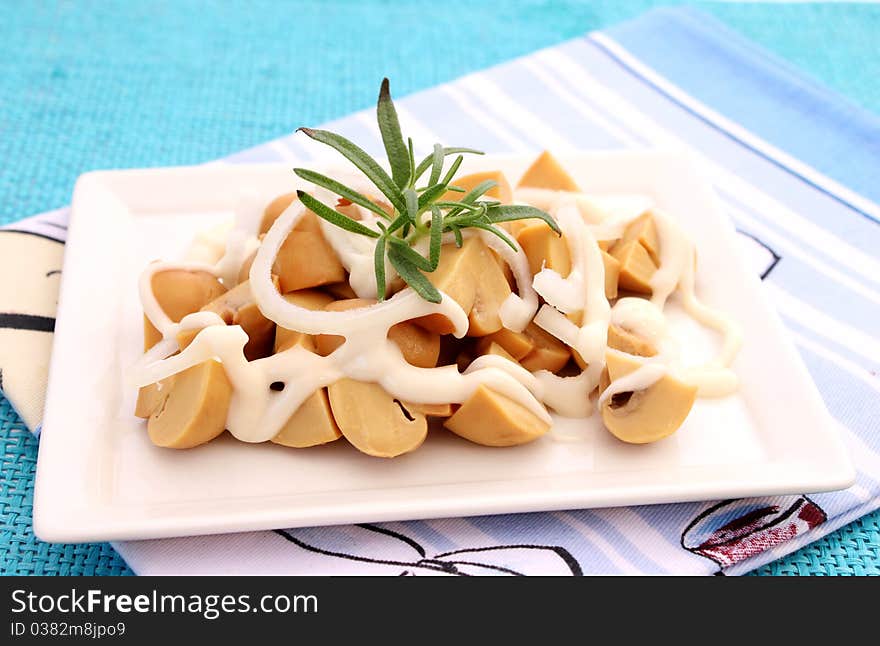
397	234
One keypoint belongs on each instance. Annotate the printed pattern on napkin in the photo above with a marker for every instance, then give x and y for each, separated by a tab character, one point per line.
814	242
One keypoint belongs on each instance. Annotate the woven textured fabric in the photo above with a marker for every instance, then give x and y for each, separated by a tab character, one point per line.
101	84
20	551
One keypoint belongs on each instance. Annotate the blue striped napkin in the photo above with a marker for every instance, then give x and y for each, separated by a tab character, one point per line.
796	168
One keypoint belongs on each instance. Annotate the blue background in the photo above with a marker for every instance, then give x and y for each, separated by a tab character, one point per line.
107	84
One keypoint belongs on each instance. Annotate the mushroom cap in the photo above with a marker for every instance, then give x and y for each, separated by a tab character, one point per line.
373	421
193	410
648	415
491	419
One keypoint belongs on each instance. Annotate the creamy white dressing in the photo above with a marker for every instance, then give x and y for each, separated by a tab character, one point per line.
258	412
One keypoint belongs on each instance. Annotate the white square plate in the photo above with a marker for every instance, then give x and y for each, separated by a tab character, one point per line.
99	477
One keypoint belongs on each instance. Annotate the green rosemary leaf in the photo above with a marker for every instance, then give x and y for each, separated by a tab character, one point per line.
473	195
453	170
366	164
389	126
431	194
455	189
379	264
412	204
412	256
498	232
401	220
340	189
479	190
429	160
333	217
458	239
412	276
412	163
456	205
510	212
436	236
437	165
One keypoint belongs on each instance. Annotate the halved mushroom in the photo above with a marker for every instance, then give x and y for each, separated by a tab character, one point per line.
180	292
306	260
612	274
150	397
340	291
544	248
373	421
491	419
547	172
645	415
274	209
492	290
431	410
310	299
625	341
193	409
517	344
472	276
636	266
549	352
644	231
419	347
238	307
312	423
456	277
487	346
501	192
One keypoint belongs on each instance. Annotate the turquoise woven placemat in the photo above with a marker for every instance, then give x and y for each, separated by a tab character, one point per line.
106	84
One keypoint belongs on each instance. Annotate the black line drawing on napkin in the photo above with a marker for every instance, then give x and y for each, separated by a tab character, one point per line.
396	553
761	256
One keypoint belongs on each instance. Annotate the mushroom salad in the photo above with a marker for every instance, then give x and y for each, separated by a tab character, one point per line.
375	305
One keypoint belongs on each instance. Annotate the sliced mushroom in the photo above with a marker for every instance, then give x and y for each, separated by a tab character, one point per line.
340	291
193	409
456	277
487	346
501	192
373	421
312	423
547	172
238	307
544	248
636	266
419	346
306	260
517	344
625	341
645	415
275	208
150	397
549	352
180	292
310	299
491	419
644	231
492	290
431	410
612	275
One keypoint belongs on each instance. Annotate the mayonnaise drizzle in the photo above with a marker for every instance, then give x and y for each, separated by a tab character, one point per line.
257	412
